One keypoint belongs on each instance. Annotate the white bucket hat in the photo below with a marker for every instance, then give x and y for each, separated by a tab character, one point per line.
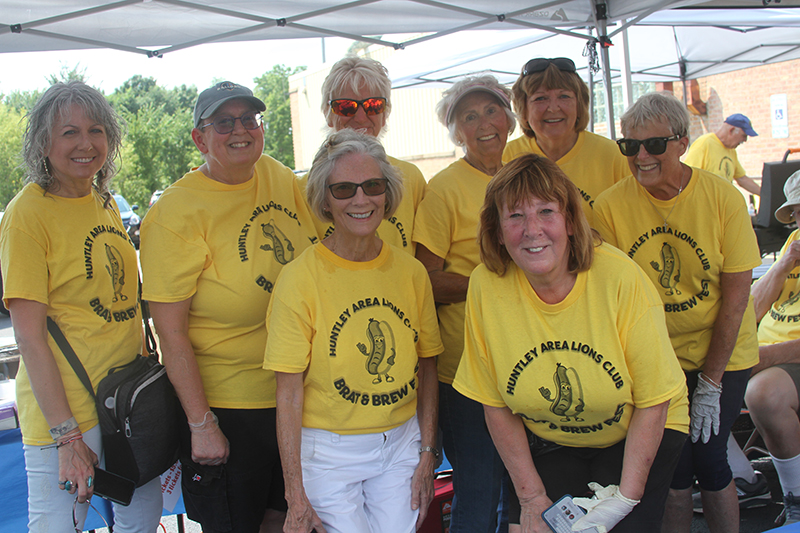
791	190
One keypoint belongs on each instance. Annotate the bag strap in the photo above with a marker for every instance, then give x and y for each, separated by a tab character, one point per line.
72	358
69	353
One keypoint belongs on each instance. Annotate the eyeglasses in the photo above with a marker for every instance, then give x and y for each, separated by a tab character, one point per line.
653	145
346	189
346	107
540	64
225	125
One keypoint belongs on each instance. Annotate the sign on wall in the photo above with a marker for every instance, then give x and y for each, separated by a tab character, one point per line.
780	116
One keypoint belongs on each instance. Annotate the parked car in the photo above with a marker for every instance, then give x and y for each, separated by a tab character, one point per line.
156	195
129	218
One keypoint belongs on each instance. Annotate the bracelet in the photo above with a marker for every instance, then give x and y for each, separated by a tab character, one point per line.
79	436
196	428
431	449
63	428
710	382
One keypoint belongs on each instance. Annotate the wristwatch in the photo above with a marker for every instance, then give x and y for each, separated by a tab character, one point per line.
431	449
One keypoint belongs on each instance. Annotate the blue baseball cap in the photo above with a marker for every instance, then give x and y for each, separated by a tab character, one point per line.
741	121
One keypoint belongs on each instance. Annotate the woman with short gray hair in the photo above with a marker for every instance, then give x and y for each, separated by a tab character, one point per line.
477	111
352	341
691	233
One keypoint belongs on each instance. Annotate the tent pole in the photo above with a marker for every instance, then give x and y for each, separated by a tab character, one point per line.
591	97
627	86
600	15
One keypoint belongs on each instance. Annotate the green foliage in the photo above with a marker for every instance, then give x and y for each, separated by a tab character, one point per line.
21	101
158	147
12	175
273	89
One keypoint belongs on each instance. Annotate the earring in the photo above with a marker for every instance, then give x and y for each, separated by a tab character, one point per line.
47	167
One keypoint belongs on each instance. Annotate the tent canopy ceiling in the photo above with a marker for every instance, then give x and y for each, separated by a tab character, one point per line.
155	27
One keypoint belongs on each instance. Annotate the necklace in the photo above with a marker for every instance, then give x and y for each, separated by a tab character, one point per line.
480	169
680	190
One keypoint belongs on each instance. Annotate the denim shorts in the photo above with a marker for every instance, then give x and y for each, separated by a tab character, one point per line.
235	496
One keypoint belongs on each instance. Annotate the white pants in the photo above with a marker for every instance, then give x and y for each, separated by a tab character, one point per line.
362	483
50	508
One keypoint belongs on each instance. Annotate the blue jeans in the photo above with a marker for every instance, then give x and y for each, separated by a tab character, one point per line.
477	467
709	462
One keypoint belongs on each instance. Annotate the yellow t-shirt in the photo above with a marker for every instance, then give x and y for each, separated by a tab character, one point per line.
594	164
357	329
782	322
708	153
708	233
447	225
224	245
397	229
573	371
73	255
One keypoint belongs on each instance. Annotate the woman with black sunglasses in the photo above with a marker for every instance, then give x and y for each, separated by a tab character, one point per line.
356	95
691	233
552	105
352	340
212	248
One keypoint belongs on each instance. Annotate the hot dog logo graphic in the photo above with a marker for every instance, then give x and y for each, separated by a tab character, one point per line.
670	269
791	300
116	269
568	401
380	356
278	243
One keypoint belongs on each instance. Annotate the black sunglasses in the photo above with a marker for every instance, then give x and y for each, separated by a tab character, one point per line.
225	125
348	107
540	64
346	189
653	145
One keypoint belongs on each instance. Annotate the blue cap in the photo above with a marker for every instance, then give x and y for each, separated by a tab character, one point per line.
741	121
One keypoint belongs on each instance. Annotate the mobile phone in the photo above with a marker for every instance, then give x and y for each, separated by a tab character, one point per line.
561	515
113	487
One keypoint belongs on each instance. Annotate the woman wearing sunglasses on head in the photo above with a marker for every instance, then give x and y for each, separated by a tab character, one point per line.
212	248
352	340
356	96
477	111
552	106
692	235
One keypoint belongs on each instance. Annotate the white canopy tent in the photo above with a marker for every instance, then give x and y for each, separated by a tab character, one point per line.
734	34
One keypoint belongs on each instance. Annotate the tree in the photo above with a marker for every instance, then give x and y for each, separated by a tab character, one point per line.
12	125
273	89
158	147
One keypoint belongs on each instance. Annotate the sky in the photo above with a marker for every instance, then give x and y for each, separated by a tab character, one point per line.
199	66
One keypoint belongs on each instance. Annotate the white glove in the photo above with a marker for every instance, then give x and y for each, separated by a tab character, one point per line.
705	410
605	509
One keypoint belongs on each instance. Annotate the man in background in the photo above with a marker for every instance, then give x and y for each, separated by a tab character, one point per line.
716	152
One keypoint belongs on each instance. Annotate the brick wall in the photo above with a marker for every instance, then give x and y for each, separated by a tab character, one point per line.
748	92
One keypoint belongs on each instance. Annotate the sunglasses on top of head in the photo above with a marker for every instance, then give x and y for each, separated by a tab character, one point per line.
225	125
347	189
540	64
653	145
347	107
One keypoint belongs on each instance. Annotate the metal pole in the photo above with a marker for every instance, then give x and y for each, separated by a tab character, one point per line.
600	14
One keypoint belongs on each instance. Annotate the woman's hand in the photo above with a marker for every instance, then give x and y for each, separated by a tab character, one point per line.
76	463
302	518
422	486
530	518
210	447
